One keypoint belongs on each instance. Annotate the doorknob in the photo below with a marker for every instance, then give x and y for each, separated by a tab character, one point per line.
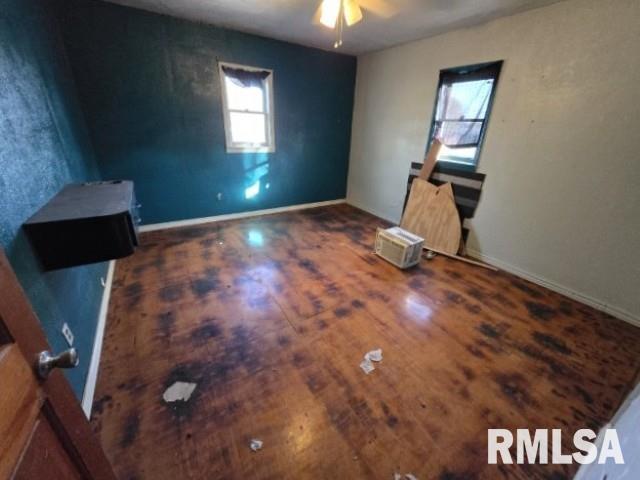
47	362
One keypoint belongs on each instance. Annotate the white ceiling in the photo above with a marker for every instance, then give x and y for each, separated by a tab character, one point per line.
291	20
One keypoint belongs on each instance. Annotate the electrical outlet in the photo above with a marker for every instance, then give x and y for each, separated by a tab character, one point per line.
67	333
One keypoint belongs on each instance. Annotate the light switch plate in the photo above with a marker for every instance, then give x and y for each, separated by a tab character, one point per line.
67	333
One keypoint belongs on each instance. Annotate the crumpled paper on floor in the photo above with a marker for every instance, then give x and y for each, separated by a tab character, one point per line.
373	356
255	444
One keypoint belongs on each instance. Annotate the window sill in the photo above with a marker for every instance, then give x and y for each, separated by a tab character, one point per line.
251	149
464	167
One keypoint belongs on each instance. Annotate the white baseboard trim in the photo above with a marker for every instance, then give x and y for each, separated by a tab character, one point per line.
92	375
233	216
592	302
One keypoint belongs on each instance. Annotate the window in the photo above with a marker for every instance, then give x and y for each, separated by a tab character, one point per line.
247	101
465	95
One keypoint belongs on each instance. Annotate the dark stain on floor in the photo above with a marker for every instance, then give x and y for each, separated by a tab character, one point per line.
315	383
322	325
208	330
311	267
551	342
467	372
515	387
449	475
390	418
99	404
133	289
171	293
534	352
416	283
342	312
206	283
453	297
540	311
357	304
130	430
489	331
300	359
526	288
166	322
586	396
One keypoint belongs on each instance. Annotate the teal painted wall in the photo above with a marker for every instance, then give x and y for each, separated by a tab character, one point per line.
43	145
150	91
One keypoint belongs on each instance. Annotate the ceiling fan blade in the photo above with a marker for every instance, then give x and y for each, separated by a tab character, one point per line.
352	12
381	8
330	9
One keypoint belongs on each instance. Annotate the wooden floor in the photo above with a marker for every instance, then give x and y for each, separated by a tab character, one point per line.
271	316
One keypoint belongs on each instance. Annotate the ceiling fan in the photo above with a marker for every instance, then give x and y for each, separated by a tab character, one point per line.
335	13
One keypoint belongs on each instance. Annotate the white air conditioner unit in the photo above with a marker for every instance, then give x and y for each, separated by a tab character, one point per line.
399	247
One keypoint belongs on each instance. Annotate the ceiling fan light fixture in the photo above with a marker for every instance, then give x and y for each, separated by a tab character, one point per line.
330	10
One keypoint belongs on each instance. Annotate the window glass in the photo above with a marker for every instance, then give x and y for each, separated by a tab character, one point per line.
244	98
248	127
464	100
461	113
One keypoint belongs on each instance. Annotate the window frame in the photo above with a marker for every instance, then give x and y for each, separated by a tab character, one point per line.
479	71
269	113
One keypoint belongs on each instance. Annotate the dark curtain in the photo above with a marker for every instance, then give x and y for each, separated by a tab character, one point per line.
245	78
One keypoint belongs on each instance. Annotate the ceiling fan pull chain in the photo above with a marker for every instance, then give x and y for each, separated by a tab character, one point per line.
340	25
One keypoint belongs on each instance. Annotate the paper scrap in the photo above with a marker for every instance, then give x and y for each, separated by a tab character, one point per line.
406	476
179	391
373	356
366	366
255	444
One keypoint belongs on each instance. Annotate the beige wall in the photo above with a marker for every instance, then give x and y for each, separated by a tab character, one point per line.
561	204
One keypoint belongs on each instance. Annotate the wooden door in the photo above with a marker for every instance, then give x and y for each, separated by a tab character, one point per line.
43	431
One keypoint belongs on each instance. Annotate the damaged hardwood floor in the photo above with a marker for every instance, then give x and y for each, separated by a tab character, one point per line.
270	317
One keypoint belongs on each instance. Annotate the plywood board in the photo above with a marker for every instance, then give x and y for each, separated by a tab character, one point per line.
431	213
430	160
